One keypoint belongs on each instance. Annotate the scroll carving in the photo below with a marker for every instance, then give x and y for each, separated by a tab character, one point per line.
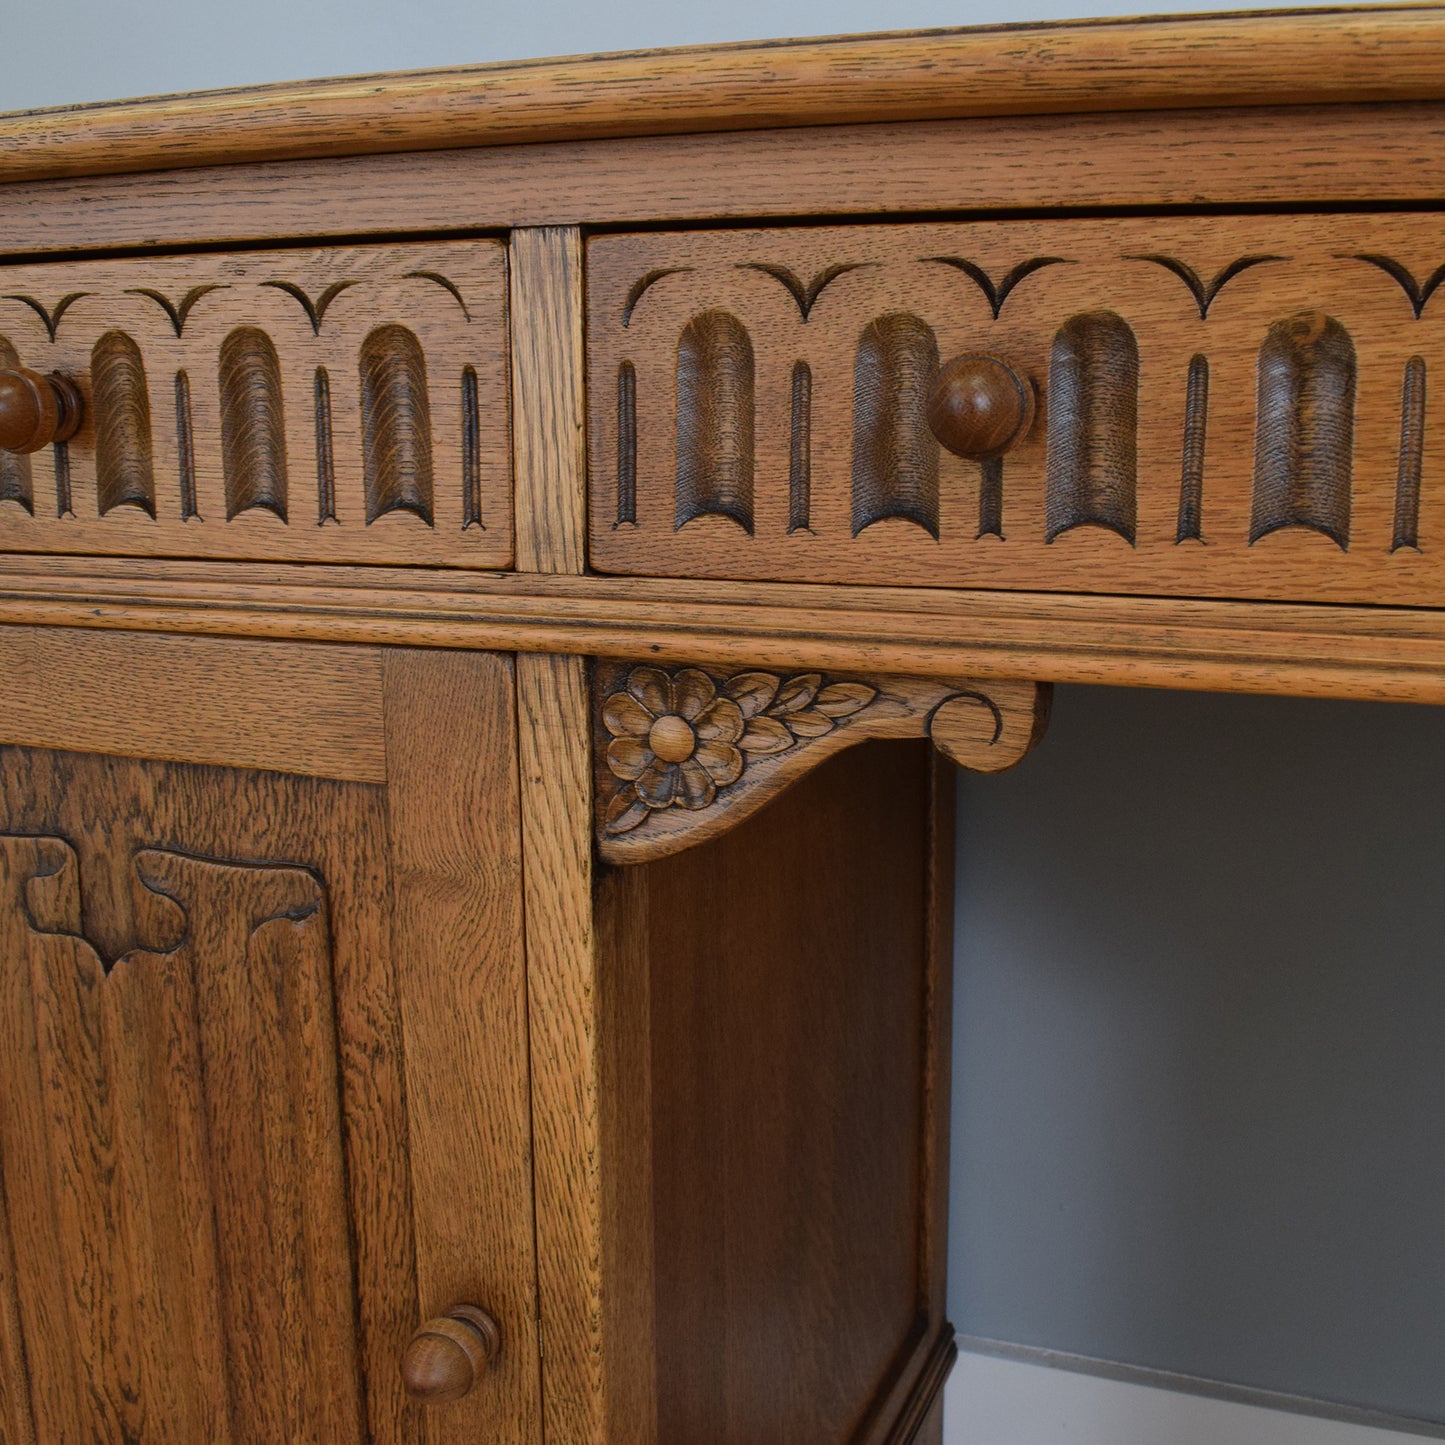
683	753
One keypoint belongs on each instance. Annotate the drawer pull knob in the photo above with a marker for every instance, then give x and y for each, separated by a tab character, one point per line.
980	407
447	1355
36	410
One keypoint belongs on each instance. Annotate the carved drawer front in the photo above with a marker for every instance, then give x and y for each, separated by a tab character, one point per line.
347	404
1222	406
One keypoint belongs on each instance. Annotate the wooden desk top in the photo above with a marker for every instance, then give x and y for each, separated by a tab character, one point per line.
1260	121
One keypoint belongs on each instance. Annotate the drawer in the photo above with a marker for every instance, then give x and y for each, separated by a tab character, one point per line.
347	404
1222	406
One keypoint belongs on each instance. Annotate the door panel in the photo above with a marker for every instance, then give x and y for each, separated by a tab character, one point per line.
223	1146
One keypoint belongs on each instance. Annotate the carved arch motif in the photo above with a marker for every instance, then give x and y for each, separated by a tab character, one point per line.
1304	439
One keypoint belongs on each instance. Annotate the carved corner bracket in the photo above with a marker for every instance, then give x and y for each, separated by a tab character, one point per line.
683	753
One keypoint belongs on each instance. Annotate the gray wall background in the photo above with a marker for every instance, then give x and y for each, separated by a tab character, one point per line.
1199	1082
1198	1073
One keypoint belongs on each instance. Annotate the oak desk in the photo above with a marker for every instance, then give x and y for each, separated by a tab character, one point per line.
459	979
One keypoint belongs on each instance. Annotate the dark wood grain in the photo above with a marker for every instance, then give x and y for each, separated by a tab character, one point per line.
1305	434
449	1354
253	424
456	945
16	483
246	1192
1139	448
1277	156
979	407
895	455
1196	437
396	424
173	1116
1093	467
788	1109
1263	647
123	466
36	411
1412	455
714	421
220	387
683	754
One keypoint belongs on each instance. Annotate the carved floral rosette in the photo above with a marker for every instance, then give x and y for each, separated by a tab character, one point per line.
677	738
684	752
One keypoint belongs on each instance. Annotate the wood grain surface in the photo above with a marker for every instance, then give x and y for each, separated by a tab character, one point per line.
1379	155
348	404
461	978
182	1077
795	1112
1297	340
314	710
548	399
589	1042
1380	54
1221	646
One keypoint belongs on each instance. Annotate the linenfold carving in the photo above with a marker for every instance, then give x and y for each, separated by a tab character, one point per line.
176	1111
684	752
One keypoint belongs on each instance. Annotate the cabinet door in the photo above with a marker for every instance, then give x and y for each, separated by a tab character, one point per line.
262	1039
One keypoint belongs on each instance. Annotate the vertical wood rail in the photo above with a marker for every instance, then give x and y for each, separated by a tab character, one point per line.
460	967
587	966
586	963
549	443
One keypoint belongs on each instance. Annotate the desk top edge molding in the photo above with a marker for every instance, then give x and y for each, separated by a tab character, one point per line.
1305	57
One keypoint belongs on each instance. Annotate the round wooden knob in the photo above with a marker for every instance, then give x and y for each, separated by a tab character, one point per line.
980	406
36	410
447	1355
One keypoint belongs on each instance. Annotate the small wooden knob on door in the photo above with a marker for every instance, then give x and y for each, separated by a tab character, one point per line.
447	1355
36	410
980	407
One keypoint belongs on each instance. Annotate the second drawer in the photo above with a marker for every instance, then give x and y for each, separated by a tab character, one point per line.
1223	406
